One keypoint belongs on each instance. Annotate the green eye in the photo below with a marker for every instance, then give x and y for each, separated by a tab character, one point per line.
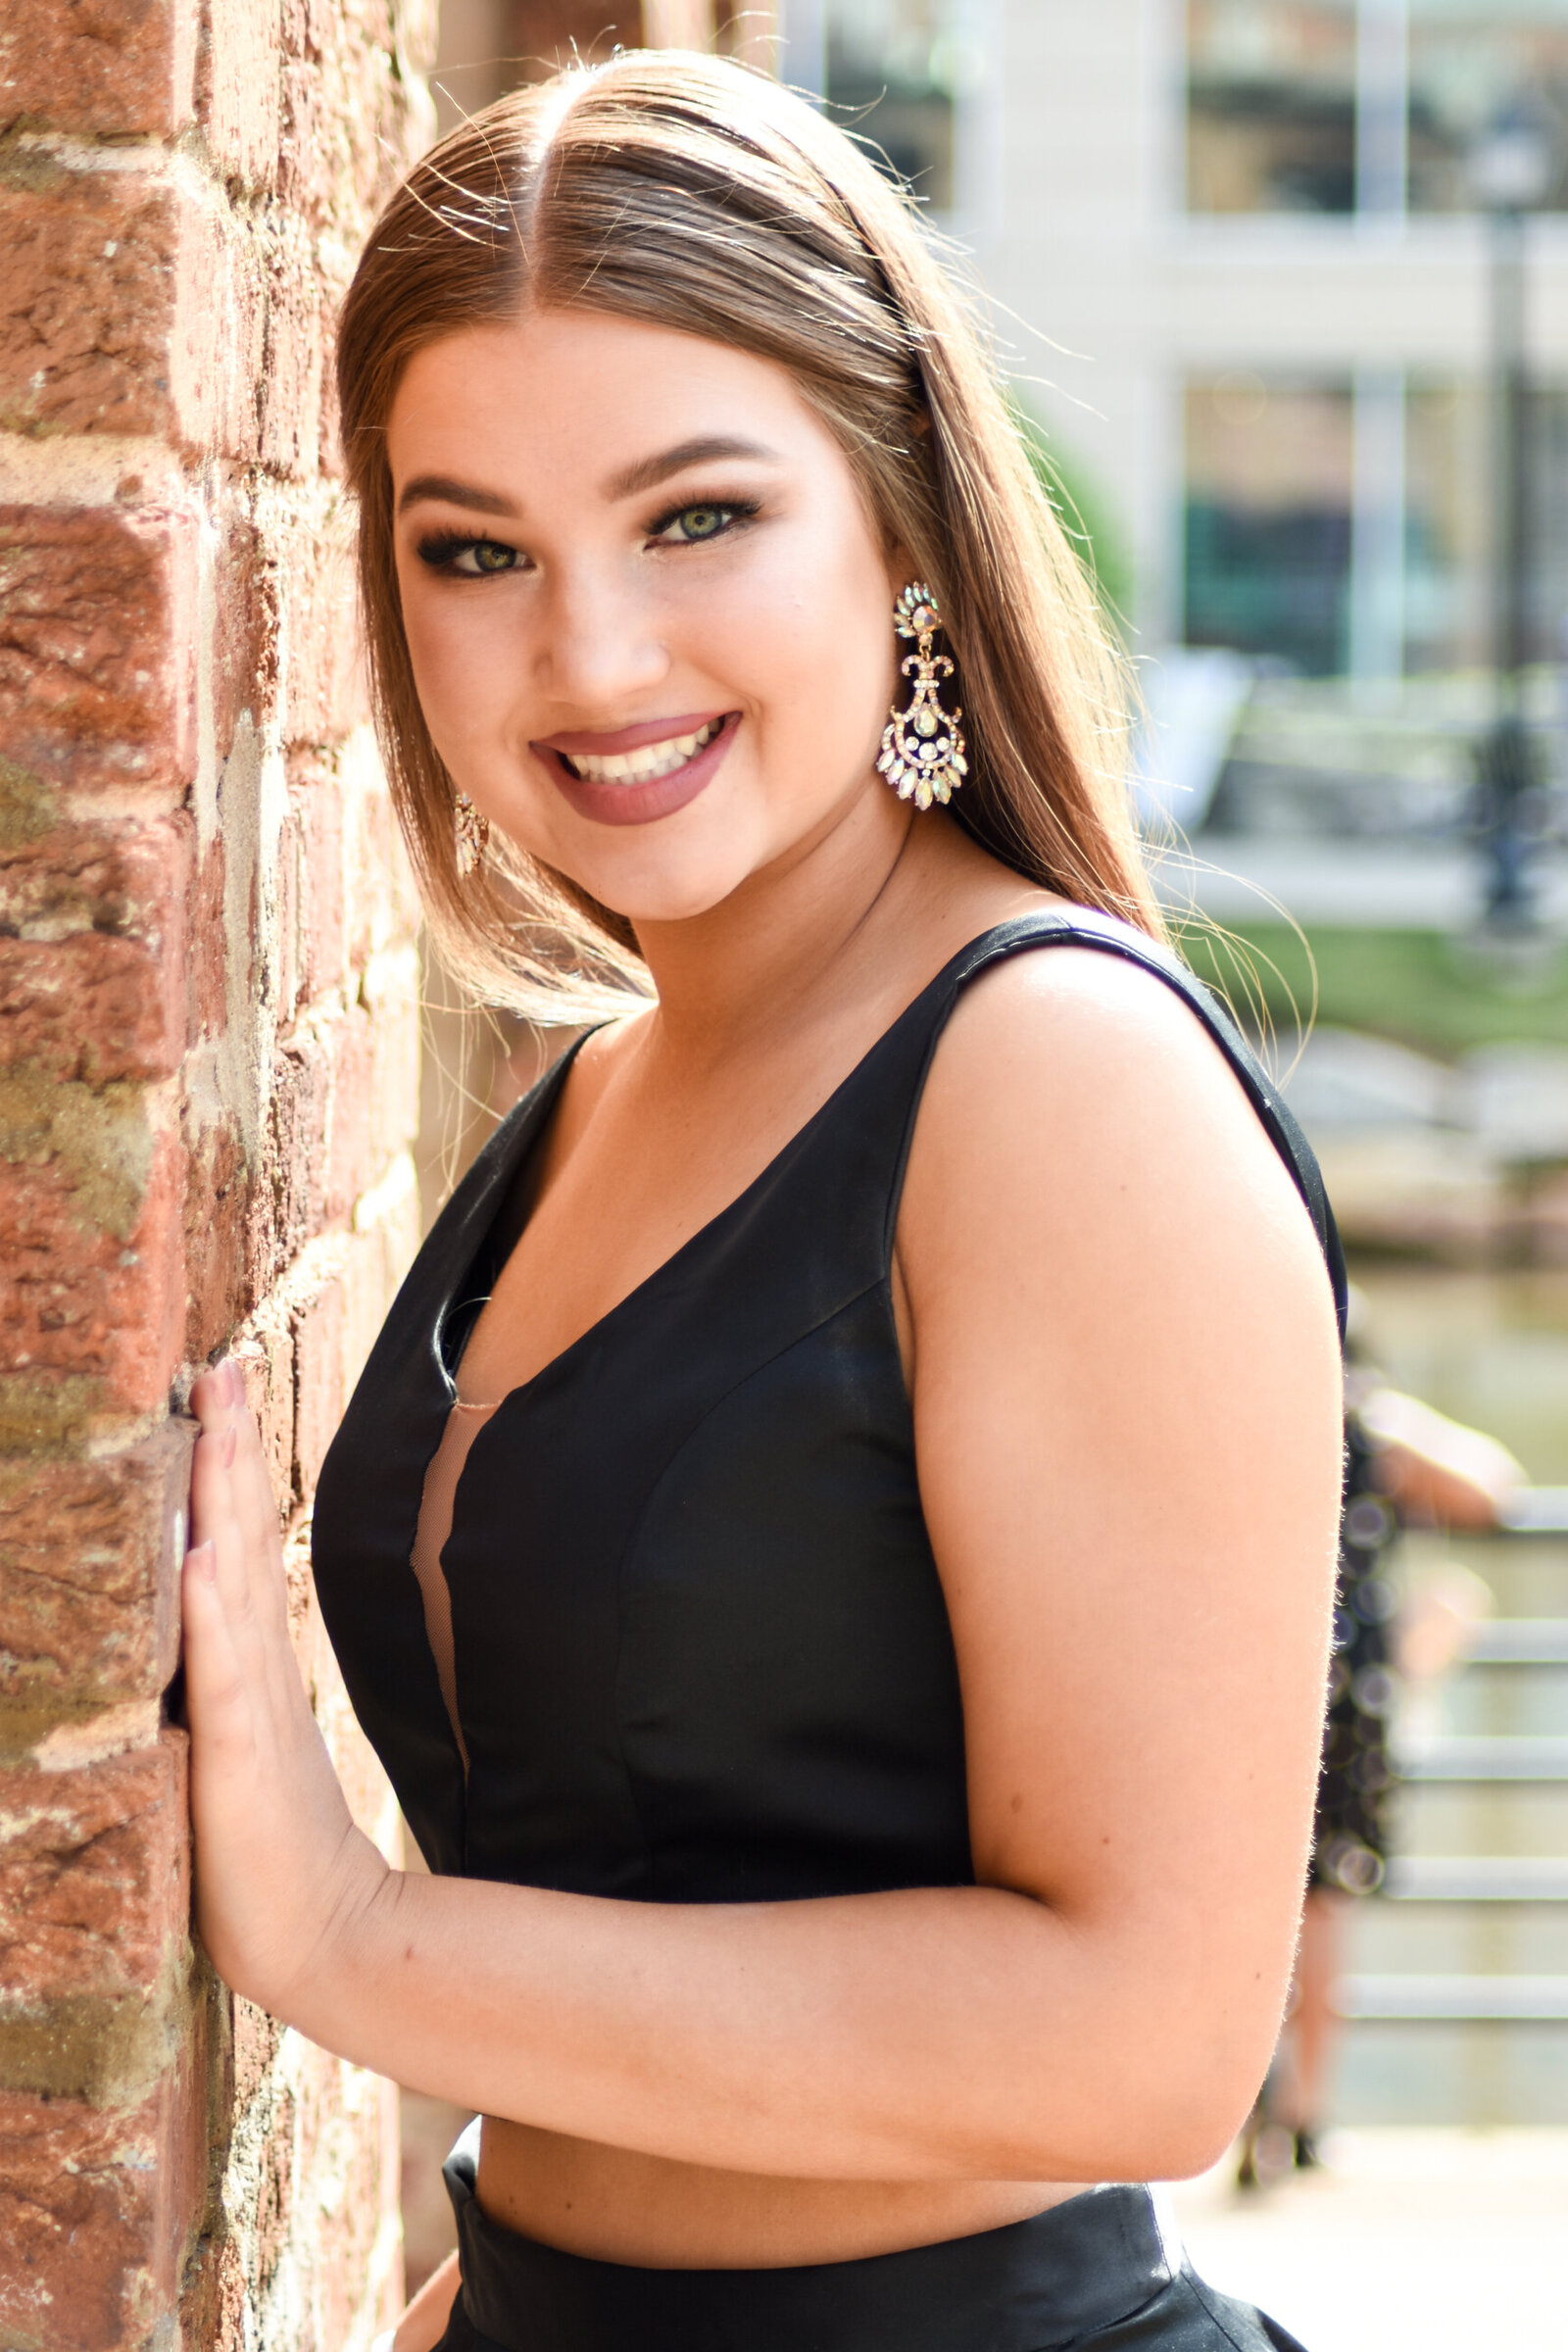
701	522
488	557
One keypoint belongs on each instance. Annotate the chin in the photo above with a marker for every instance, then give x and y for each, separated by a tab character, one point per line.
674	887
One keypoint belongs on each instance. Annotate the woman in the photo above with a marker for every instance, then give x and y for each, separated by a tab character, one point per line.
866	1432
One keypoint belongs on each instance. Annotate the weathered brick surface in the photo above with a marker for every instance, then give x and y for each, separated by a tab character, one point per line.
208	1090
94	1877
97	645
119	66
96	2212
87	1615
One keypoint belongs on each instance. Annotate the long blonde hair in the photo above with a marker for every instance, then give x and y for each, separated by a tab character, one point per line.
696	194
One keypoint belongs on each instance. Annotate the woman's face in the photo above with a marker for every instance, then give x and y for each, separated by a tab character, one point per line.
649	616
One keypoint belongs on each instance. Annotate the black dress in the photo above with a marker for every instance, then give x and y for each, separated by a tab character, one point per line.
702	1655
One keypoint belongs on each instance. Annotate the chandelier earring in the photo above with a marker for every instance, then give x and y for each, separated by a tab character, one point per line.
471	832
923	754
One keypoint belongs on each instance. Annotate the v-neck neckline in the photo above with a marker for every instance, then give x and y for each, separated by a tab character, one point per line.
536	1130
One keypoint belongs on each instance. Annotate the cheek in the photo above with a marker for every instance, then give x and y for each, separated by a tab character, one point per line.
812	642
456	672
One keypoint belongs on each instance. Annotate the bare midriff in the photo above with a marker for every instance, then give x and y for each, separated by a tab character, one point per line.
620	2205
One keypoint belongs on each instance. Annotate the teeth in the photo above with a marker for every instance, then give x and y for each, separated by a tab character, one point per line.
643	766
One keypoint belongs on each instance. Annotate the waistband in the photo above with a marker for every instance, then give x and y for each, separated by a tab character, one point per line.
1063	2275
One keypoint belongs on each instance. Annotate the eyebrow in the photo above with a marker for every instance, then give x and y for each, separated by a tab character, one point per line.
453	493
645	474
702	452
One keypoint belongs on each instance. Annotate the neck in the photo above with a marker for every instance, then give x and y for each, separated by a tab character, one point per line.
782	939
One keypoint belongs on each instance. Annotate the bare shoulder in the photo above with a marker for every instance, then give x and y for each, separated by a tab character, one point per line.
1083	1101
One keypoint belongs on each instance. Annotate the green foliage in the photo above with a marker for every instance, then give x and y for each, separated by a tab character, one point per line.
1427	989
1085	515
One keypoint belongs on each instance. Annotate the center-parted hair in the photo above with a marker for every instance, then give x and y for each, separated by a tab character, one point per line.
694	194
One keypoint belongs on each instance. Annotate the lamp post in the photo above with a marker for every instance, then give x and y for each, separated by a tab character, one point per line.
1511	169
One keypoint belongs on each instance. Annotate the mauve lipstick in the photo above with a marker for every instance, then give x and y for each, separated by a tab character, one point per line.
636	804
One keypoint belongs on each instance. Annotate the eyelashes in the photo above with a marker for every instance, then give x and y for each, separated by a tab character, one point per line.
705	519
446	551
696	522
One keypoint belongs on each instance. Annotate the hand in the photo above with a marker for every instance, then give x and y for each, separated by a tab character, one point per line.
280	1869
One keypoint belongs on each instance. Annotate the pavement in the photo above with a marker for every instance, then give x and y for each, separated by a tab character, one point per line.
1407	2241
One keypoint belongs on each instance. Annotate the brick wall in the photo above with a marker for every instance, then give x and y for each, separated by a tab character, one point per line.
208	1089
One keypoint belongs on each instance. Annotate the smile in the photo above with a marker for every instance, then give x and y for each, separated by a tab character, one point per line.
646	766
641	772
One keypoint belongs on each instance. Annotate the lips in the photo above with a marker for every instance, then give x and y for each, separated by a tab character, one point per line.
637	774
643	766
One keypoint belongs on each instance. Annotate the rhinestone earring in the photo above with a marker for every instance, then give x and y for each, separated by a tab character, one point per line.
471	832
924	750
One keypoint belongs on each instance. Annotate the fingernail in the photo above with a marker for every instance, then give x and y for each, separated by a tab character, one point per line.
203	1558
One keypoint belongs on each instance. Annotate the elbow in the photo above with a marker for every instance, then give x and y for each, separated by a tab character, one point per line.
1161	2105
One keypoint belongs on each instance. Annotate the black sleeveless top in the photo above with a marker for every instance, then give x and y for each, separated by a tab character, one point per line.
701	1647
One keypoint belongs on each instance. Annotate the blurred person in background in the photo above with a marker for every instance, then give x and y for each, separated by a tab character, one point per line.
1405	1465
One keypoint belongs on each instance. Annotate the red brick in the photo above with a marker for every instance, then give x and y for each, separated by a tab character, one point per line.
97	639
315	797
89	1553
90	1008
131	303
88	265
116	66
325	691
344	118
349	1044
266	1357
295	358
290	1208
94	1877
98	2211
240	93
90	1304
206	979
217	1217
92	953
319	1389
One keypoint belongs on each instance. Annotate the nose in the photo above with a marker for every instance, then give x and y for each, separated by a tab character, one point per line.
600	646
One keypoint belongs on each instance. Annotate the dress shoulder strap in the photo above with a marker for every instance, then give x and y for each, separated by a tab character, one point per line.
1083	927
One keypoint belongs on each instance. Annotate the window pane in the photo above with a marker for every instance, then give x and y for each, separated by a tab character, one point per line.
892	64
1271	106
1268	519
1474	68
1448	532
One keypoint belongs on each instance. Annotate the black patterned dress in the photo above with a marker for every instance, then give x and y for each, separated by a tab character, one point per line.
1350	1837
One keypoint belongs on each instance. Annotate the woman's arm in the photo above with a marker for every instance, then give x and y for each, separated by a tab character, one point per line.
1127	1405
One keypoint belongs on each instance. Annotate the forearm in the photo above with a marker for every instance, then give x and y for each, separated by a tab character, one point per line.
966	2033
424	2323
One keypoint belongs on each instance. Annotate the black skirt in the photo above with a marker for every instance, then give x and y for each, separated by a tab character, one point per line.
1099	2271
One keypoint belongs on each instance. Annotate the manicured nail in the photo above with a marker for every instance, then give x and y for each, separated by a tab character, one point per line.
203	1558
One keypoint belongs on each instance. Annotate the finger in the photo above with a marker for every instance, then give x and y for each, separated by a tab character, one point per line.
215	1693
216	1393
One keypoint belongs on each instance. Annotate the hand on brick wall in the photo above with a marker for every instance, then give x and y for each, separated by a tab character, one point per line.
281	1872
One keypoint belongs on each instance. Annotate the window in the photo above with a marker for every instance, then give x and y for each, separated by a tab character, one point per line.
1271	106
892	71
1334	106
1475	67
1270	472
1280	563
